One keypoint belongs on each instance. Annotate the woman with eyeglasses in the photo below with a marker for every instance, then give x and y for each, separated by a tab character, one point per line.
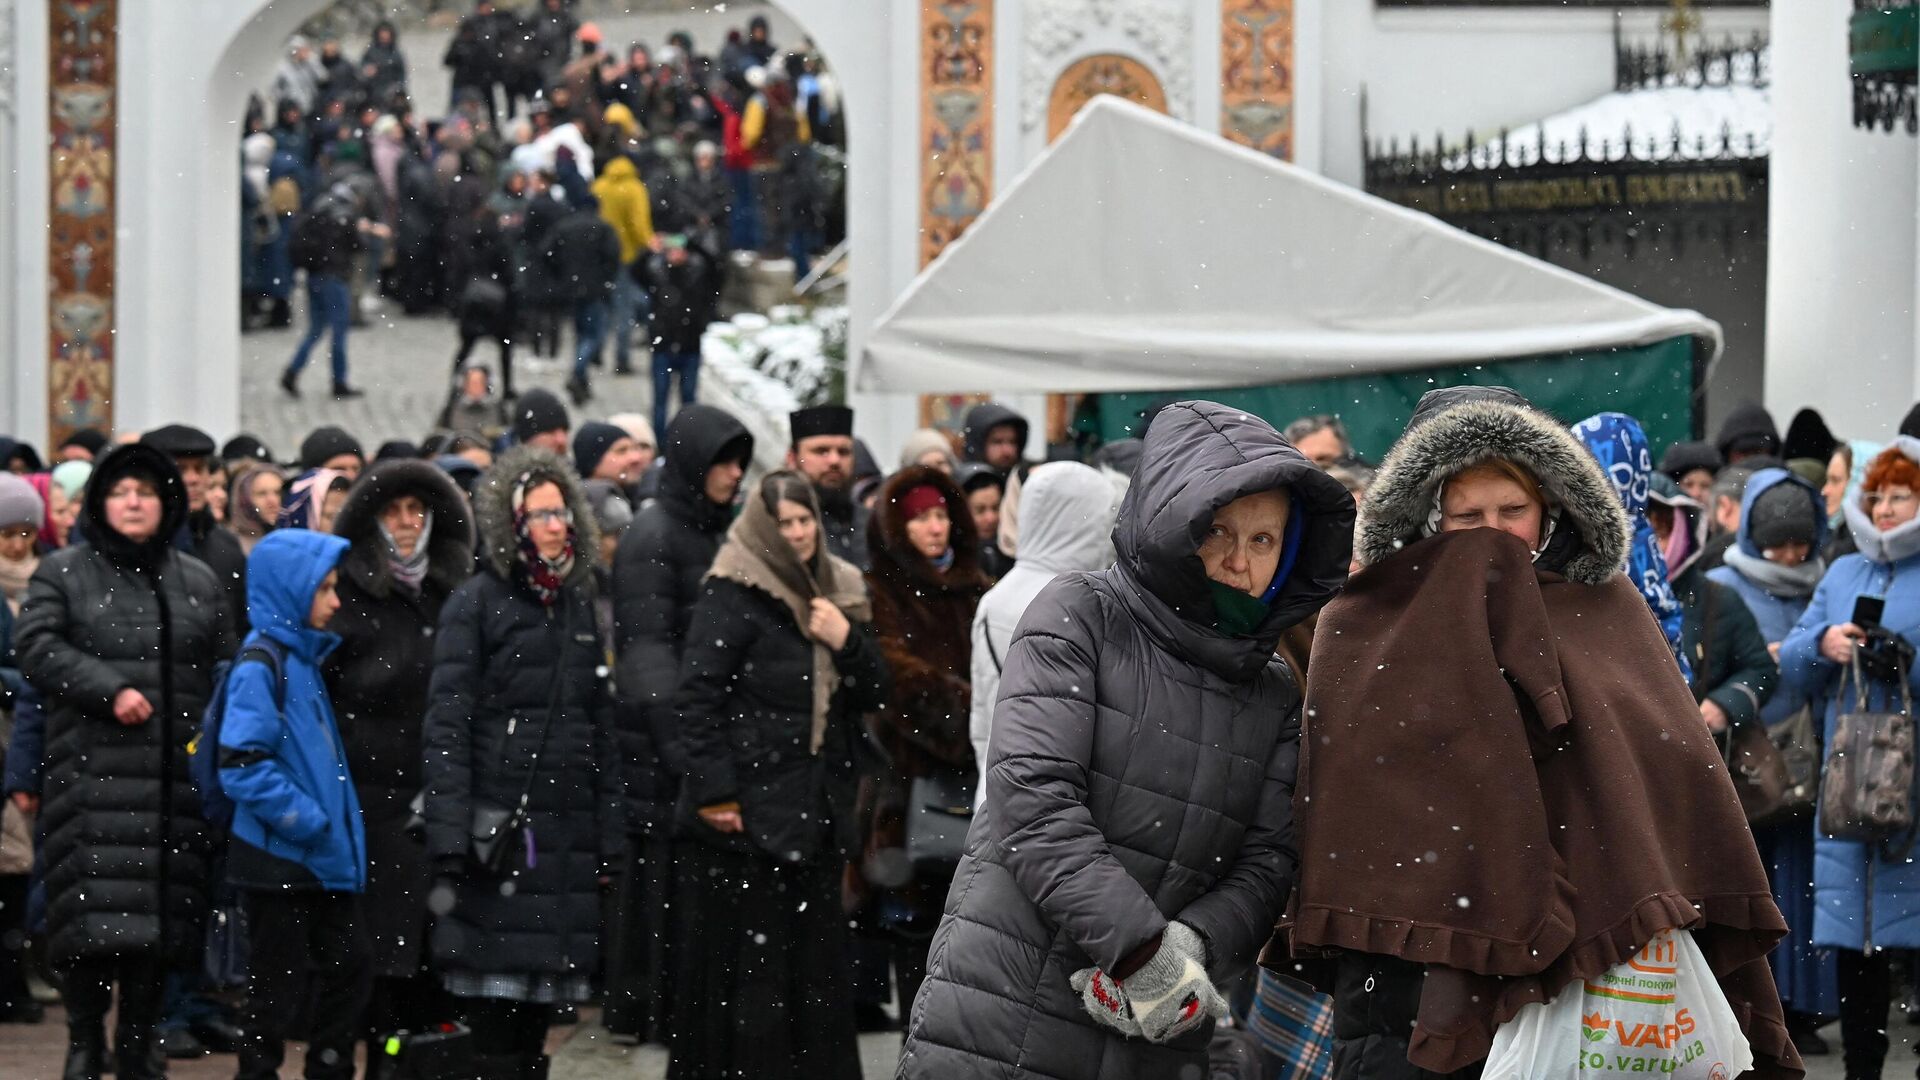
1864	902
522	781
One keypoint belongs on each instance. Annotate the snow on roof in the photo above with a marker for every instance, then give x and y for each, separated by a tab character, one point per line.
1731	115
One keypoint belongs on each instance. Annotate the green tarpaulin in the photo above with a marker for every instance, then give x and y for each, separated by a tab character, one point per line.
1652	383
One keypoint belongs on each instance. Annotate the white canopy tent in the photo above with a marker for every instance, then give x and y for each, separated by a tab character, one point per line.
1139	253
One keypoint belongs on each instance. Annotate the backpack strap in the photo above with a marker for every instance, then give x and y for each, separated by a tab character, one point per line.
268	652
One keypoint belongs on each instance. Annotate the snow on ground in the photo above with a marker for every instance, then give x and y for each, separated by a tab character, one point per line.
1740	111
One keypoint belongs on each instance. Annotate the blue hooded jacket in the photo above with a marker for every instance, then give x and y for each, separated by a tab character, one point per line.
1775	613
286	769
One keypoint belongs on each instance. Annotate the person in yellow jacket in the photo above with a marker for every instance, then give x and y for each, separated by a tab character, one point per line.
626	205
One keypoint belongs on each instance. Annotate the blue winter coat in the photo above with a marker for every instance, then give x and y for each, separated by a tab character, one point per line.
1860	899
296	816
1776	615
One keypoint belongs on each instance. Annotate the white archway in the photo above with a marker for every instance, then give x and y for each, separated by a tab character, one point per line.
185	72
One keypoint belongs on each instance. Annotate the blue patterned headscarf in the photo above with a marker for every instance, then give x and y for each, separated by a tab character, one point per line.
1618	443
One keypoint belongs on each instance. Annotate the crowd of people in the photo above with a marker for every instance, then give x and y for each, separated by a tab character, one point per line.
567	181
1068	762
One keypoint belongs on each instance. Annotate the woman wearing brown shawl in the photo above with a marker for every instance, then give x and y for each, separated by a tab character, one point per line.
779	665
1505	786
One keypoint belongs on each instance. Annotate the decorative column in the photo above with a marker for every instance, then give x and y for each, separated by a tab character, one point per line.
81	129
956	146
1256	74
956	119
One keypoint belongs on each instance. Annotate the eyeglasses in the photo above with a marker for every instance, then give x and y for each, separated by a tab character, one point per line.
1898	500
549	517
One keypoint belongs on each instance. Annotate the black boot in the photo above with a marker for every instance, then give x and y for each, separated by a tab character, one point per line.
498	1067
535	1067
86	1058
138	1057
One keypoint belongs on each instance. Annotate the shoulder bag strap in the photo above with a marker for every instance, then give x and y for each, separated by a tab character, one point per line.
553	705
993	653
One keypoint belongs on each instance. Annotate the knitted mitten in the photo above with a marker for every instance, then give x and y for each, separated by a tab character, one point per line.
1101	996
1170	994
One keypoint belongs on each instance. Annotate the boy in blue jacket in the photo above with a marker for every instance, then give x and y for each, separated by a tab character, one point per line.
298	852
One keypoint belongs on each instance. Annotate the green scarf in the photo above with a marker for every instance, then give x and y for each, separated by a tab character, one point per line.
1235	613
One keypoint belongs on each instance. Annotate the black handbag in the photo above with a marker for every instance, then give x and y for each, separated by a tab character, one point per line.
1798	744
939	811
443	1052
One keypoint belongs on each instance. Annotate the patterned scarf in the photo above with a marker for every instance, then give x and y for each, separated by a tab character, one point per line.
1619	444
546	577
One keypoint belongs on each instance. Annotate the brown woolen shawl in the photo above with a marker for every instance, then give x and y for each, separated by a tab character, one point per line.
757	556
1504	776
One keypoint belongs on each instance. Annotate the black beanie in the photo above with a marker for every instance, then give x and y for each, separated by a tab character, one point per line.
1910	423
592	442
396	449
1808	437
536	413
88	439
244	447
1683	457
324	444
179	441
1748	429
1782	514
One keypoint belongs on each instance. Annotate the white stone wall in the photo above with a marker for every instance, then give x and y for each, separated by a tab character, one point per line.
1841	272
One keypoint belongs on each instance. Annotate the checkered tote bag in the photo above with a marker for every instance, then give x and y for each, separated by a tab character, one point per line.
1294	1023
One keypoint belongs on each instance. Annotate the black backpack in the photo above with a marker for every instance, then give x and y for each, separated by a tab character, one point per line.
307	244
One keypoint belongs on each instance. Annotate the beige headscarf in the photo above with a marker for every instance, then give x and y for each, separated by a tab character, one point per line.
757	556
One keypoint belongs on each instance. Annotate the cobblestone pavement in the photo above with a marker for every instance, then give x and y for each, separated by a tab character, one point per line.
405	365
580	1052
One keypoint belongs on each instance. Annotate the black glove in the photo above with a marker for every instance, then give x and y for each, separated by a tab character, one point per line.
1886	656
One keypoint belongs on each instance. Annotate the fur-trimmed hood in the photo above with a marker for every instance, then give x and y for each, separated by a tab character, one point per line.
1440	445
449	549
493	511
893	556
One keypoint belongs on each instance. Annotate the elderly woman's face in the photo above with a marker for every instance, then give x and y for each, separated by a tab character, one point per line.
1480	500
1243	545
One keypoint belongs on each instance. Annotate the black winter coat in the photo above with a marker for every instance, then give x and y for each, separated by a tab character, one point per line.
378	678
506	671
583	257
685	299
746	707
1375	1002
657	578
210	542
126	851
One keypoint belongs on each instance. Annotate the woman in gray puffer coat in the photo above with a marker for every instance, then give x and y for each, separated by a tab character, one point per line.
1136	841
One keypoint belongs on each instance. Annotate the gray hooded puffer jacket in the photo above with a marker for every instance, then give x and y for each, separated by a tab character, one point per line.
1141	770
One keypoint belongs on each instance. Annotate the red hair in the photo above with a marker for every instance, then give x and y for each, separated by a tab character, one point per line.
1892	469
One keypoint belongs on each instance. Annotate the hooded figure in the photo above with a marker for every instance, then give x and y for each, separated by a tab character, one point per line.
389	616
659	569
1140	777
657	574
126	851
518	703
1748	431
1066	526
1546	754
1864	901
1618	443
980	422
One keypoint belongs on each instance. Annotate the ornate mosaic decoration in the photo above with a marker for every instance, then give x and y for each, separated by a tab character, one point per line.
1256	74
1088	78
80	220
956	119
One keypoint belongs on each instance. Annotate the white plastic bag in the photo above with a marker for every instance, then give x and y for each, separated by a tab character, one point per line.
1661	1012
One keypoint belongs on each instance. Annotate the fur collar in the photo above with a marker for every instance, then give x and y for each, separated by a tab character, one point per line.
493	509
1429	454
450	548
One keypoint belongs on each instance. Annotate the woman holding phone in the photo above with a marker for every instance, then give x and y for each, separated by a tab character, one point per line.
1866	610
